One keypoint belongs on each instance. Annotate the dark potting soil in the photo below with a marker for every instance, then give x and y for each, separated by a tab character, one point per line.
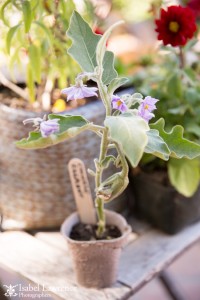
85	232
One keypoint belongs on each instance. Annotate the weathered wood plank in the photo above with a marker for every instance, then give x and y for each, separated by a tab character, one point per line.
152	252
49	266
54	239
46	261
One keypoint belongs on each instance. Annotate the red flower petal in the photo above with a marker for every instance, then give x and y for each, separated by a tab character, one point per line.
176	35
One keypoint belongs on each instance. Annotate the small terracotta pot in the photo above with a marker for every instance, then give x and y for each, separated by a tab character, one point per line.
96	262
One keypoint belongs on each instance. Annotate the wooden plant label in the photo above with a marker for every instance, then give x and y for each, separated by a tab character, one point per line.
81	191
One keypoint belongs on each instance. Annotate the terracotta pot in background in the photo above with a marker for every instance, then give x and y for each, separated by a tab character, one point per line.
96	262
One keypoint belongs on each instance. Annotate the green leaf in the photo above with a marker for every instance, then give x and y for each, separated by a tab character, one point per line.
177	144
46	31
193	128
174	86
30	83
130	132
107	160
70	126
184	175
190	44
35	58
84	41
101	46
116	83
2	15
156	145
27	14
10	35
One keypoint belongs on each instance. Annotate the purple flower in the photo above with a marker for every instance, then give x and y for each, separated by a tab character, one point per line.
45	127
79	91
49	127
146	107
119	104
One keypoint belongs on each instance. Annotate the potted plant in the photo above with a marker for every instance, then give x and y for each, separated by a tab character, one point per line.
37	39
174	79
96	247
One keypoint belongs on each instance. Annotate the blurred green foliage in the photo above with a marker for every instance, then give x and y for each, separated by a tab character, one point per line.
36	36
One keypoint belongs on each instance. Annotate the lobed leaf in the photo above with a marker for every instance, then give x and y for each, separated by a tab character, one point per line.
84	41
177	144
70	126
156	145
130	131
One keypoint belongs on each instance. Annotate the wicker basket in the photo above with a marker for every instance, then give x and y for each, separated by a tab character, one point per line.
35	190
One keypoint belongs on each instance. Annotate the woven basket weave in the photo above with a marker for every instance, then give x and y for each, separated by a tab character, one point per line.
35	190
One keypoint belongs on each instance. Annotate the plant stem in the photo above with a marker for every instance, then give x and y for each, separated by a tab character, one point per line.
182	58
99	202
125	168
104	96
13	87
99	170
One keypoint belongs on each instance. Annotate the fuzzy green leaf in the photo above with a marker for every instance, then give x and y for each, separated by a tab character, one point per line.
130	132
156	145
101	46
70	126
177	144
107	160
116	83
84	41
184	175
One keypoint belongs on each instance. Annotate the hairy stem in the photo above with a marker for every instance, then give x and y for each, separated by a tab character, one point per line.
105	97
99	170
125	168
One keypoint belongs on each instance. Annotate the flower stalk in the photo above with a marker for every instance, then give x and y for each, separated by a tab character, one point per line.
182	58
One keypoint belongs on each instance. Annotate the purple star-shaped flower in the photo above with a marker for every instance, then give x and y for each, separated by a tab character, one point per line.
119	104
45	127
146	107
49	127
79	92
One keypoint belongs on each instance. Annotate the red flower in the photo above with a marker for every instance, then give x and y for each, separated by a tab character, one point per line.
176	25
98	30
195	7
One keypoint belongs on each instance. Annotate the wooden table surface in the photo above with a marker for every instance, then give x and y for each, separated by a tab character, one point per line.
43	259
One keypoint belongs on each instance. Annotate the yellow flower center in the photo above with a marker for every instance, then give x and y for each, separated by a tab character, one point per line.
174	26
119	102
146	106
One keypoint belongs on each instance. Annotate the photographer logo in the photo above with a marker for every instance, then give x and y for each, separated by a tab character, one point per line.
10	290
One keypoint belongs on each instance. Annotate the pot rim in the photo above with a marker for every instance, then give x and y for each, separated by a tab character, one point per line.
125	233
